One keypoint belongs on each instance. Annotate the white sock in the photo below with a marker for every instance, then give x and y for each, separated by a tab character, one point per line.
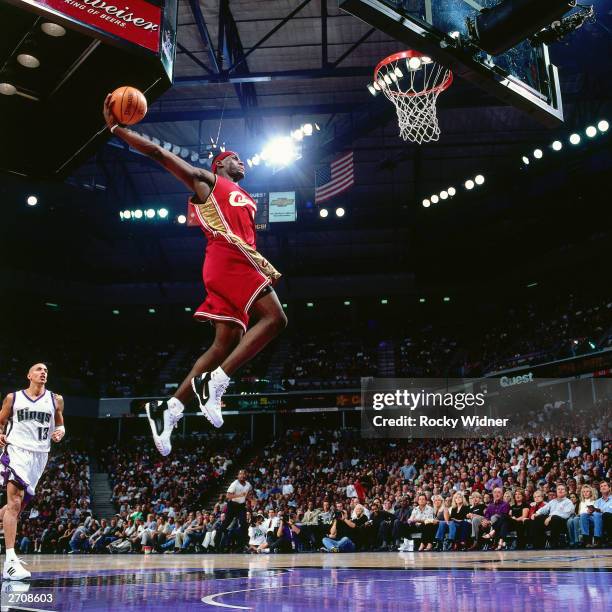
176	404
219	373
10	555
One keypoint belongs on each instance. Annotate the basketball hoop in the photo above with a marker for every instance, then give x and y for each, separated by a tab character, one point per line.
413	86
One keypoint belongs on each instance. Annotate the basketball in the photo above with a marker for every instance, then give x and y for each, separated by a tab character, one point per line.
129	105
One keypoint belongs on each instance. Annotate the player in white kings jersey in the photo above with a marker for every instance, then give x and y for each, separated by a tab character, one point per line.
29	420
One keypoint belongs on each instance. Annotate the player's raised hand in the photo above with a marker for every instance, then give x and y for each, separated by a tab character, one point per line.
107	111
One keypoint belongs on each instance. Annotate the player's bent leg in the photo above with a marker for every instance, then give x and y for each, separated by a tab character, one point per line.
270	321
206	382
13	567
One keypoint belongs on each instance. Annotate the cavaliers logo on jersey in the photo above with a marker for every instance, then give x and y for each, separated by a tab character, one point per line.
237	198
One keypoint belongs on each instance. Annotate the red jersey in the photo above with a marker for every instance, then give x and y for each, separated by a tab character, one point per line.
229	209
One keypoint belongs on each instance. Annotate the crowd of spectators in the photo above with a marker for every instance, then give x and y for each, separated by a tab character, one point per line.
315	356
62	500
327	490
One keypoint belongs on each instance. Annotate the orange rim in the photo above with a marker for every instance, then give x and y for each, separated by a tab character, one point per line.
409	53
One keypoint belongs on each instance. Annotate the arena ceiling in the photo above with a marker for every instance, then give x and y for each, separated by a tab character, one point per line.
286	71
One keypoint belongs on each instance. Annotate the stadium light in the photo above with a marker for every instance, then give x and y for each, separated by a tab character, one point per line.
151	310
7	89
115	312
574	139
310	304
181	219
434	199
347	302
188	309
525	160
426	203
32	200
162	212
421	300
323	213
469	184
444	195
591	131
592	344
280	151
479	180
538	154
446	299
307	129
383	301
297	134
603	126
340	212
150	213
557	145
137	214
414	63
451	191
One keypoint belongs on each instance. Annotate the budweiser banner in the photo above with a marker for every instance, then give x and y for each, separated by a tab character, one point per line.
134	20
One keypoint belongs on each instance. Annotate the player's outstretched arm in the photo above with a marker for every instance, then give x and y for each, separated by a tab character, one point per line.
183	171
60	430
5	415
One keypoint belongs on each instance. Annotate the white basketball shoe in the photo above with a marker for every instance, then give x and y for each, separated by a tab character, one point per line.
14	570
163	419
209	388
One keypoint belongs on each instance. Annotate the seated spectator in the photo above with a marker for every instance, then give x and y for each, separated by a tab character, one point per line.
417	522
381	522
496	519
519	513
600	516
257	535
442	520
476	516
587	498
459	526
342	534
534	538
554	516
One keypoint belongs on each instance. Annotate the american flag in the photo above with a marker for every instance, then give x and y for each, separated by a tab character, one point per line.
335	178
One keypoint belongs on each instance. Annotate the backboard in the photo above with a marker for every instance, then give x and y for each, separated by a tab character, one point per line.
522	77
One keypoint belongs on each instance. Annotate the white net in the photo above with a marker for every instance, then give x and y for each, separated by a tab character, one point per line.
413	85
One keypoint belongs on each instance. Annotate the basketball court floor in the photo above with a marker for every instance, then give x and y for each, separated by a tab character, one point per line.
518	580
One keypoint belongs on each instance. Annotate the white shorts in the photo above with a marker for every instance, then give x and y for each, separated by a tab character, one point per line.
23	467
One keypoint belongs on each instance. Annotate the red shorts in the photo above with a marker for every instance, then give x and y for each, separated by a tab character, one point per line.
233	278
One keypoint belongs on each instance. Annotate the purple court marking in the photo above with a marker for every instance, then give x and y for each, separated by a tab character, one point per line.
302	589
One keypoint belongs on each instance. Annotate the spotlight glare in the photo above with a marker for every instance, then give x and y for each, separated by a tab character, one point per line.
479	180
603	126
574	139
163	212
299	134
323	213
340	212
426	203
444	195
281	151
538	154
52	29
256	160
451	191
250	162
414	63
469	184
307	129
434	199
181	219
150	213
7	89
32	200
557	145
28	61
591	131
138	214
525	160
127	214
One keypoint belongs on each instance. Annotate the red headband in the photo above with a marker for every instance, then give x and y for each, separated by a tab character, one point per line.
220	157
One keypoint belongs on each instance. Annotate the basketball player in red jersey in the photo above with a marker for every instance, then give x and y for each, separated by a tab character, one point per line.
238	282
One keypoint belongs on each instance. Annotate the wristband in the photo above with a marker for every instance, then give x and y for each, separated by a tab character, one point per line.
60	428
